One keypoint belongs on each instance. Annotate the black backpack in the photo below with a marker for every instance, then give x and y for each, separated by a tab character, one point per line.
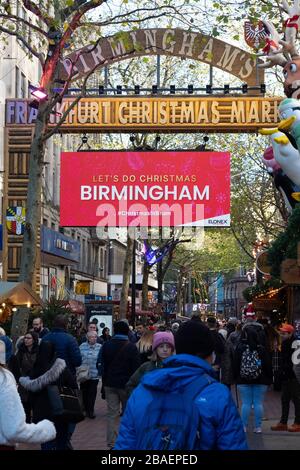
250	366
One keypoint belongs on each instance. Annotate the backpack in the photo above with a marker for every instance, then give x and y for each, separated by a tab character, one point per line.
172	421
250	367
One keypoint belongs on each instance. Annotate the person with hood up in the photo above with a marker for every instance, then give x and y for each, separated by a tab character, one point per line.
211	405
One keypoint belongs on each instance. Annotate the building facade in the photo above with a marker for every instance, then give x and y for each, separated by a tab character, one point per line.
68	256
233	293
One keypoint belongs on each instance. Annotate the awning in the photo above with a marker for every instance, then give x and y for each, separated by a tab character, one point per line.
19	293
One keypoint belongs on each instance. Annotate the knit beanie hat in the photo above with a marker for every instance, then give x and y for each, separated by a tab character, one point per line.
195	338
163	337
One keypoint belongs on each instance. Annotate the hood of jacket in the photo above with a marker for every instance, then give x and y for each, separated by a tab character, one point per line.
253	324
177	372
50	376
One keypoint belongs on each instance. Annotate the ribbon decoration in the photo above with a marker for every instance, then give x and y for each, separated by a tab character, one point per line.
269	43
292	22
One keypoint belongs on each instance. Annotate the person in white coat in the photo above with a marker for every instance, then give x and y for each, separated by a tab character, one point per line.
13	426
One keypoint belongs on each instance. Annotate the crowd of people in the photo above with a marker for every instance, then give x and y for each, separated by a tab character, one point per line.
166	387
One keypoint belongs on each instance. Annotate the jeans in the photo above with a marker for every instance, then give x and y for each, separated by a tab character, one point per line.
252	395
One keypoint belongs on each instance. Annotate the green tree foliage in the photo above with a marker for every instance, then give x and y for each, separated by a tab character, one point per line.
52	308
285	245
251	292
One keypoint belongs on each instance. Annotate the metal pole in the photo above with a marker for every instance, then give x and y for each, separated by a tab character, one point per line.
106	77
133	290
110	254
158	71
211	75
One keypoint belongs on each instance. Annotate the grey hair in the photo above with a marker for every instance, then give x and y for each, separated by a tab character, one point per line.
90	333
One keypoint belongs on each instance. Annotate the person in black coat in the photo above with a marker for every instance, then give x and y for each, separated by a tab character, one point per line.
290	385
22	363
119	360
252	386
49	370
105	335
219	343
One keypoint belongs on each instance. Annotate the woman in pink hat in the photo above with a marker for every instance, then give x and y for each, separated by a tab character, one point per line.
163	346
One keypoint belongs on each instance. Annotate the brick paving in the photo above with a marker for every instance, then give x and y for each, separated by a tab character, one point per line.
90	434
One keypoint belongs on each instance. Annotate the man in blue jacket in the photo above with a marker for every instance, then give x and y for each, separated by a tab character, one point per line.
218	424
66	346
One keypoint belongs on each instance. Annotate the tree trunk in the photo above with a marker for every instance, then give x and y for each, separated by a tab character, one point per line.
126	278
33	204
179	295
19	323
160	280
145	301
183	298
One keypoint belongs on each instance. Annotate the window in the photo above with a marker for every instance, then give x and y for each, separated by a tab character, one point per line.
243	271
89	260
101	261
53	225
53	186
23	86
23	29
79	263
17	82
45	222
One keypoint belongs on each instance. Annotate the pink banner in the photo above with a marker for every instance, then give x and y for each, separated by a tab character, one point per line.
180	188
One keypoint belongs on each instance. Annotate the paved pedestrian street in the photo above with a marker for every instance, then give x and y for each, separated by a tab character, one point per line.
90	434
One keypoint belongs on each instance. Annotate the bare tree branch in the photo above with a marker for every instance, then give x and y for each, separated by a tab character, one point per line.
24	42
74	23
122	18
105	23
240	243
77	99
31	6
30	25
77	4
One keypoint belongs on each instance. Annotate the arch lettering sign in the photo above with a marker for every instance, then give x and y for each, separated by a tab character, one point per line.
150	114
159	41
